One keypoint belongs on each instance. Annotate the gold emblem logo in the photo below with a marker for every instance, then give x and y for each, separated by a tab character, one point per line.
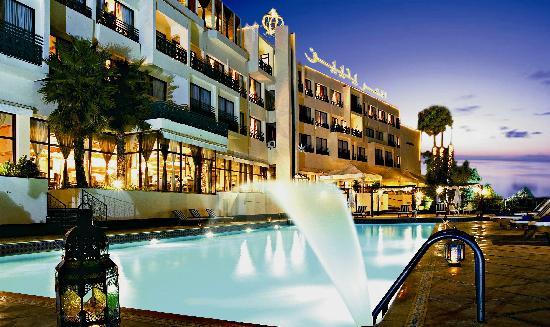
271	21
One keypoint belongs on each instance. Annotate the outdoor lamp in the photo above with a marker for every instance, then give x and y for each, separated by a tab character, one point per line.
439	190
86	280
454	252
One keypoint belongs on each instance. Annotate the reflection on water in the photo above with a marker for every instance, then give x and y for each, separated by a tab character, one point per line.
507	177
231	276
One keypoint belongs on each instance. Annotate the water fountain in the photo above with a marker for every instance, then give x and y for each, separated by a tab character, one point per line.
320	212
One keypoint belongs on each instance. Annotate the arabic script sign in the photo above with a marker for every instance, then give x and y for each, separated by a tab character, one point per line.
344	73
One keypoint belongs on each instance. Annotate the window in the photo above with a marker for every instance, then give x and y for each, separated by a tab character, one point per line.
382	115
7	137
372	111
370	132
389	159
218	66
255	88
243	123
321	118
40	144
343	150
398	161
391	119
18	14
320	91
305	115
391	140
158	89
355	104
227	107
121	11
361	154
380	136
378	157
305	143
256	129
200	95
308	84
398	141
336	98
321	146
271	132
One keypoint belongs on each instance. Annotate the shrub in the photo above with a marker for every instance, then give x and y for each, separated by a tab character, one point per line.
24	167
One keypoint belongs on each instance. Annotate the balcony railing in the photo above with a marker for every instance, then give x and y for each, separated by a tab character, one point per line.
343	154
322	124
361	157
339	128
203	108
322	151
77	6
171	48
309	92
356	132
254	98
338	103
230	120
265	66
242	92
204	67
322	97
379	161
112	22
181	114
258	135
19	43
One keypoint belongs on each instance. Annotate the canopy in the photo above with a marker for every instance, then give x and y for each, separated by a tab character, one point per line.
350	173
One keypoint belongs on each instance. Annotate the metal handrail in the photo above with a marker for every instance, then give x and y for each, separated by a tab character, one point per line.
382	307
54	203
99	208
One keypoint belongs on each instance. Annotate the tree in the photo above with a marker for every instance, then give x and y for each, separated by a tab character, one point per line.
77	82
464	174
131	105
434	120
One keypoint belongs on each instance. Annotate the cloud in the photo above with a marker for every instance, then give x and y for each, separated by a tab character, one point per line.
466	97
536	133
543	113
516	134
467	109
540	75
504	128
466	128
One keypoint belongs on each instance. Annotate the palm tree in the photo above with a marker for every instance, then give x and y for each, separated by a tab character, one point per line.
131	105
434	120
77	82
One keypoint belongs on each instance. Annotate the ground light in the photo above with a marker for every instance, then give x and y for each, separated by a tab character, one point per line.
86	281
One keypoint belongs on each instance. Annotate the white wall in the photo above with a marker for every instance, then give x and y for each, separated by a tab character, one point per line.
22	200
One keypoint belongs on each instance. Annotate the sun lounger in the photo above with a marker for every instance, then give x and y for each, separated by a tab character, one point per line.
196	214
184	218
212	215
440	208
360	212
544	205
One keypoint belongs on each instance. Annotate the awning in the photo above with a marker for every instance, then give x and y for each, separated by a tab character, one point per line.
350	173
187	139
235	158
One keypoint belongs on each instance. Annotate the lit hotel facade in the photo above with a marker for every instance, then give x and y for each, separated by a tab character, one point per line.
243	109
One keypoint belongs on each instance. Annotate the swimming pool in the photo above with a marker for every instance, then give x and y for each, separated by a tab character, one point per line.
267	276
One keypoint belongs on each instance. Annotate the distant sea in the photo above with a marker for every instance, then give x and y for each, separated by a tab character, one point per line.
507	176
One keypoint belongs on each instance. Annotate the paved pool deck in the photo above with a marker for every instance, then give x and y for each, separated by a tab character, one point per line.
517	284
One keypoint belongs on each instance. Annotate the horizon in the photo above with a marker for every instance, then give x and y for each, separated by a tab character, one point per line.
487	66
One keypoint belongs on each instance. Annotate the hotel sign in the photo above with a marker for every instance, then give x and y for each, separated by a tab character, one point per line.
344	73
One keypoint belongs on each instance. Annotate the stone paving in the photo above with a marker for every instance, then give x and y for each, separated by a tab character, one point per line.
517	284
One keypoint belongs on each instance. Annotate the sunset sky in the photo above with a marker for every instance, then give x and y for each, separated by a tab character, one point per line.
487	61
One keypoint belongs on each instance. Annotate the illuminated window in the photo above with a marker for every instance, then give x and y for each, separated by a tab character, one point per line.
7	137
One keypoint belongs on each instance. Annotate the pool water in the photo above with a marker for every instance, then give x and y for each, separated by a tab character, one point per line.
267	276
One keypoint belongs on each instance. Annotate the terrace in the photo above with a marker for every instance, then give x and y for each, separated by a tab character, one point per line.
111	21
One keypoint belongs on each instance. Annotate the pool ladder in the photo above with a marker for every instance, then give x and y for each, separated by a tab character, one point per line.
382	307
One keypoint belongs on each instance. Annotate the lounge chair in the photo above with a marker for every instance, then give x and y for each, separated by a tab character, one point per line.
540	207
453	209
212	215
360	212
184	218
404	210
196	214
440	208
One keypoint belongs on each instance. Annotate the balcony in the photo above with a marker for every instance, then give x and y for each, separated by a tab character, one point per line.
379	161
230	120
322	124
322	151
339	128
171	48
356	133
202	109
265	66
182	115
258	135
357	108
362	157
204	67
77	6
122	28
20	43
343	154
254	98
309	92
322	97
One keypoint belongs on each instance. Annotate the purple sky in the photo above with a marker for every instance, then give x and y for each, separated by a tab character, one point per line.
488	61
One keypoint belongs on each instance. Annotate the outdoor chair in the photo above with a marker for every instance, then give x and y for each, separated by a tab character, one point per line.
196	214
360	212
453	209
212	215
540	207
440	208
404	210
184	218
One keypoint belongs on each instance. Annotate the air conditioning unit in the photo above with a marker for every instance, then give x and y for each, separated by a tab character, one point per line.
271	145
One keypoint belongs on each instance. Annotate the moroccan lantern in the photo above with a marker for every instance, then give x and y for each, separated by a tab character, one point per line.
454	252
86	281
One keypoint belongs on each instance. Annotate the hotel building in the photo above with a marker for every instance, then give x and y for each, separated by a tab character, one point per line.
242	109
